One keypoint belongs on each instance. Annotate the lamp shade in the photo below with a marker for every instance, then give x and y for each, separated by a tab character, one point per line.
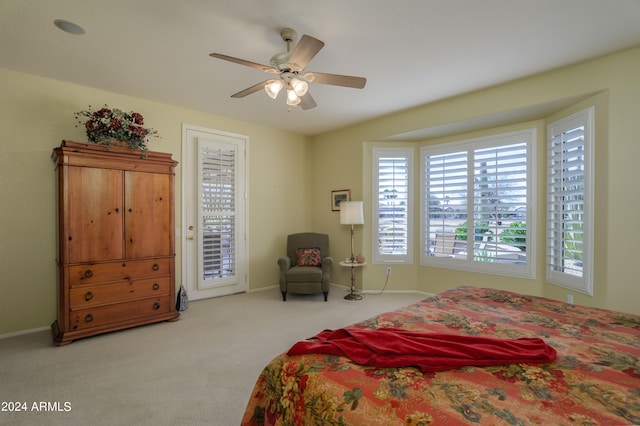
351	213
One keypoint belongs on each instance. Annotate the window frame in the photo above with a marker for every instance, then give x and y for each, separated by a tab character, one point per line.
583	284
524	269
408	154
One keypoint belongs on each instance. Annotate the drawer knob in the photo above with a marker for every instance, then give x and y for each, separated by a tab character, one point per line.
88	296
156	306
155	267
88	273
156	286
88	318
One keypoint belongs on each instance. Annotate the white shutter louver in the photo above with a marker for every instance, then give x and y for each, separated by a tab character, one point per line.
392	204
476	197
446	177
218	212
566	201
500	196
569	212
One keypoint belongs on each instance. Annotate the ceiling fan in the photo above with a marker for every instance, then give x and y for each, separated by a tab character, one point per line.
290	68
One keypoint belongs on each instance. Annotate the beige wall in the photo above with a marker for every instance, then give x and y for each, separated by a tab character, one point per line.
610	83
37	113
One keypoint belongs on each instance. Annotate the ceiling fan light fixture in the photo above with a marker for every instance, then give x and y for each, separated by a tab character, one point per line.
292	98
309	76
273	87
300	87
289	69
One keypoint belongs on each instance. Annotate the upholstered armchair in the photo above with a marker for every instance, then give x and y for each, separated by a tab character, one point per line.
307	266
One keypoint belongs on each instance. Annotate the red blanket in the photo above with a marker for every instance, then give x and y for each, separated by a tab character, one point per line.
387	347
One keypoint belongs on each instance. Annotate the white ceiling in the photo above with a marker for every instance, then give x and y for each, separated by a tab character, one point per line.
412	52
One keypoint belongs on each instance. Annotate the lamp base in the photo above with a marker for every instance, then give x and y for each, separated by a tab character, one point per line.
353	296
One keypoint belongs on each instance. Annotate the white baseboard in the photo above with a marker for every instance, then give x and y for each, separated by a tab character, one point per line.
346	288
263	288
397	292
21	332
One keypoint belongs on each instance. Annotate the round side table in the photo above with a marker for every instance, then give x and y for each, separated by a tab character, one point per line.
353	293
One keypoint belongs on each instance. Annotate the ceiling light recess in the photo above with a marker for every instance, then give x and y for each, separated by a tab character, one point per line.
69	27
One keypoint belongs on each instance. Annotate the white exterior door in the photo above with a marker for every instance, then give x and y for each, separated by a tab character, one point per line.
214	213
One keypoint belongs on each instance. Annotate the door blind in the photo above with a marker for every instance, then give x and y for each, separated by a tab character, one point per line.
218	212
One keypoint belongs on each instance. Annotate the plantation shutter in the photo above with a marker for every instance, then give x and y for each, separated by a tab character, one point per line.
476	204
568	212
499	195
392	194
218	212
446	177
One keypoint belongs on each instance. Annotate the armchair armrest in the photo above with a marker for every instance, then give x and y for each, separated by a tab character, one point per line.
326	263
285	263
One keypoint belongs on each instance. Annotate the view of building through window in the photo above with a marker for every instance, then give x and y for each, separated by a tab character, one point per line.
392	187
569	206
497	204
476	202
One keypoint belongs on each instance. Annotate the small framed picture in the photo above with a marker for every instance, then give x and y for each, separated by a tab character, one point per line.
339	196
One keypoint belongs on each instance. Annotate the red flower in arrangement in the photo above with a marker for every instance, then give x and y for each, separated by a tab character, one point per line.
108	124
137	118
103	112
115	123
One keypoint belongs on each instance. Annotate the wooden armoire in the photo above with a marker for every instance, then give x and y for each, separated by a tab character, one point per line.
116	244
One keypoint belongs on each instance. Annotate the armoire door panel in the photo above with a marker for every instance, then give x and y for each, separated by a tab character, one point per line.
94	214
147	206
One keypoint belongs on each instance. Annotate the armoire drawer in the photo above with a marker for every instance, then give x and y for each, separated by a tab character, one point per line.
117	271
102	294
93	317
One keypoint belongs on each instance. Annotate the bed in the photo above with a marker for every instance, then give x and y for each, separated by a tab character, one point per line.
594	379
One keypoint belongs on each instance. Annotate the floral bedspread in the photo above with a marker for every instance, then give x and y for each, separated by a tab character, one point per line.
595	379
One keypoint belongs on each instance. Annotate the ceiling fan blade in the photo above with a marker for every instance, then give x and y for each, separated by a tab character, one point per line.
261	67
339	80
249	90
307	101
306	49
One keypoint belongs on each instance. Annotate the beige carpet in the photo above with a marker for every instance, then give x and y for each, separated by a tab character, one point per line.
199	370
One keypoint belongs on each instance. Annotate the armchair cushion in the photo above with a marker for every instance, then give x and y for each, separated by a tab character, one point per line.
303	274
309	256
